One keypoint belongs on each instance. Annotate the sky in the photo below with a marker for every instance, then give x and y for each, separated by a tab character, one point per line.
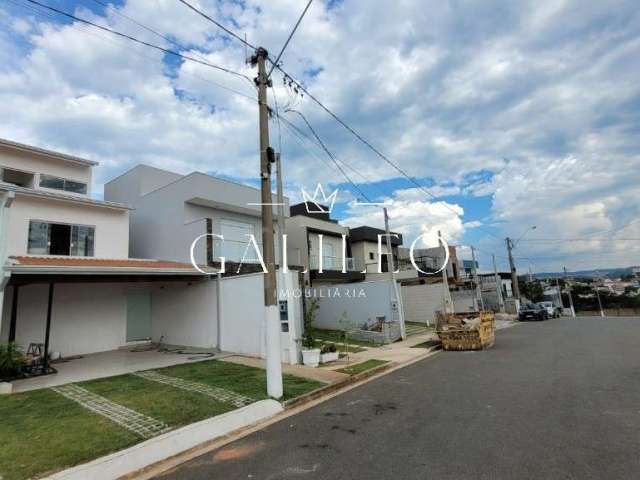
508	114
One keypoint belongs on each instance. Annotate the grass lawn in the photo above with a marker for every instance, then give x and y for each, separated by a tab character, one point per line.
42	431
336	337
362	367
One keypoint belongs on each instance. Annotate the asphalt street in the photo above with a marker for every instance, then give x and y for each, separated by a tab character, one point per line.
552	400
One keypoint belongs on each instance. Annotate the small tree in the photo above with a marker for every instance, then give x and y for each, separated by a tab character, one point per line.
308	341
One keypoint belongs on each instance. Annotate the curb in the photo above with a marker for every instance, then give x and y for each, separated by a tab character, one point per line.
170	444
332	387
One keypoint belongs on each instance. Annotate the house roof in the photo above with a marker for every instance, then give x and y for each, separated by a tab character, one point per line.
370	234
48	153
8	187
90	265
313	210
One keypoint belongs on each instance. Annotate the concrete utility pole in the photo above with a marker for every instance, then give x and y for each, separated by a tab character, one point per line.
559	292
599	301
514	275
498	285
446	295
391	265
281	226
573	310
475	277
272	314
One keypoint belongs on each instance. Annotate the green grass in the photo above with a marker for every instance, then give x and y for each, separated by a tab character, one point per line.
173	406
248	381
336	337
362	367
42	431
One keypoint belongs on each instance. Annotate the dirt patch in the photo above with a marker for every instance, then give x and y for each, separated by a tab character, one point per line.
237	452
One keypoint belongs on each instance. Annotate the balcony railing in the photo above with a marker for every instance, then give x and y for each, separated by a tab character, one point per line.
332	263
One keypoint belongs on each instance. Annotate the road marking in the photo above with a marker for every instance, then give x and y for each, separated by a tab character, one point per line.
217	393
138	423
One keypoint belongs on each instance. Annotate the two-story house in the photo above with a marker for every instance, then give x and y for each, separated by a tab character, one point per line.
68	285
372	255
309	226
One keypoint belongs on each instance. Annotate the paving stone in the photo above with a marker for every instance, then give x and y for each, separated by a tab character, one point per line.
217	393
140	424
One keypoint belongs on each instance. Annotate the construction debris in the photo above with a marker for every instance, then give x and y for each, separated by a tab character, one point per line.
466	331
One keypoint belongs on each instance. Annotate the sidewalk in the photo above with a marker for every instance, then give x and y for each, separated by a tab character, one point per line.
398	352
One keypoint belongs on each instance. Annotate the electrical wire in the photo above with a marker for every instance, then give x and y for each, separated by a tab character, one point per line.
331	156
218	24
137	40
275	62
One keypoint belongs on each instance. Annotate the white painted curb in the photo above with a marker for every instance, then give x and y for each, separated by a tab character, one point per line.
171	443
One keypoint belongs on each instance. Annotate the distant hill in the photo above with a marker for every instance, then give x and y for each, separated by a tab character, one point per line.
607	272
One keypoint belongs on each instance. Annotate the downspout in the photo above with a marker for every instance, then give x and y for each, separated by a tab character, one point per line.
218	312
5	204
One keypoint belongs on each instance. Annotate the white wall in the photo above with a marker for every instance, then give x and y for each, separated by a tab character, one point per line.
243	327
185	314
33	162
422	301
365	302
111	225
85	318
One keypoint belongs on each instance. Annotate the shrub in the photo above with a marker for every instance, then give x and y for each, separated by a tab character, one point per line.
11	360
309	317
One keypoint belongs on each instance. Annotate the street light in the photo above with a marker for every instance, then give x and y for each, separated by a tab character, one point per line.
531	228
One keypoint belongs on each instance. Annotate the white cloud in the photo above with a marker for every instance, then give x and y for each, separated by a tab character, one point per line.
445	89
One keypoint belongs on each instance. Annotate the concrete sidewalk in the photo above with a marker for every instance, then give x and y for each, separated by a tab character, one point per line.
398	352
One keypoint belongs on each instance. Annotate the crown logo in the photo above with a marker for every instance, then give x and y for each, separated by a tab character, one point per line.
313	205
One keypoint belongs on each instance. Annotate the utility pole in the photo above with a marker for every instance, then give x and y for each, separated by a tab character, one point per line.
573	310
391	265
281	226
475	277
498	284
514	275
559	292
272	320
599	301
446	296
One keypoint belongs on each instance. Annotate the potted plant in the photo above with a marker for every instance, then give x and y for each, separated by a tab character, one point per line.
310	354
329	353
12	361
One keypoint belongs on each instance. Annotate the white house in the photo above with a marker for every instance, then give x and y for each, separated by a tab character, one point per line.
304	228
69	285
170	211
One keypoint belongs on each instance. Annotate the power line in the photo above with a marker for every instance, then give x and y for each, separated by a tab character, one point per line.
218	24
289	38
368	144
328	152
137	40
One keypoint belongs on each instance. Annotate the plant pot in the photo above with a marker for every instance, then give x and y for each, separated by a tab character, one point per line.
311	357
329	357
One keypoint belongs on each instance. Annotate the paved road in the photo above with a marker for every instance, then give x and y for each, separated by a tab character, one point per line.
552	400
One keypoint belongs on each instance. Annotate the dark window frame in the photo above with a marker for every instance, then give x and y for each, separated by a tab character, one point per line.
67	185
75	229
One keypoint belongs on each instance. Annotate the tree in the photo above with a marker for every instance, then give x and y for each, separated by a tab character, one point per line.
532	290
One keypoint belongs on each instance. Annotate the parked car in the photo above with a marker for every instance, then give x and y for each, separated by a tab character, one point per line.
533	311
549	307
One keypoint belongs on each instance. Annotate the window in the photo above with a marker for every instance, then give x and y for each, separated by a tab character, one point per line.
60	239
49	181
17	177
372	255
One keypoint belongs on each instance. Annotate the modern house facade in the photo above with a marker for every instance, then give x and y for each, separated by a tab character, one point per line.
170	211
307	225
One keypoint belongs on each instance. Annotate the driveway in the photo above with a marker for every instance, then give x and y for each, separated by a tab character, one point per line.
555	399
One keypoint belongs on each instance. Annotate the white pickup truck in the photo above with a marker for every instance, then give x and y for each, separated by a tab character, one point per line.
551	309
